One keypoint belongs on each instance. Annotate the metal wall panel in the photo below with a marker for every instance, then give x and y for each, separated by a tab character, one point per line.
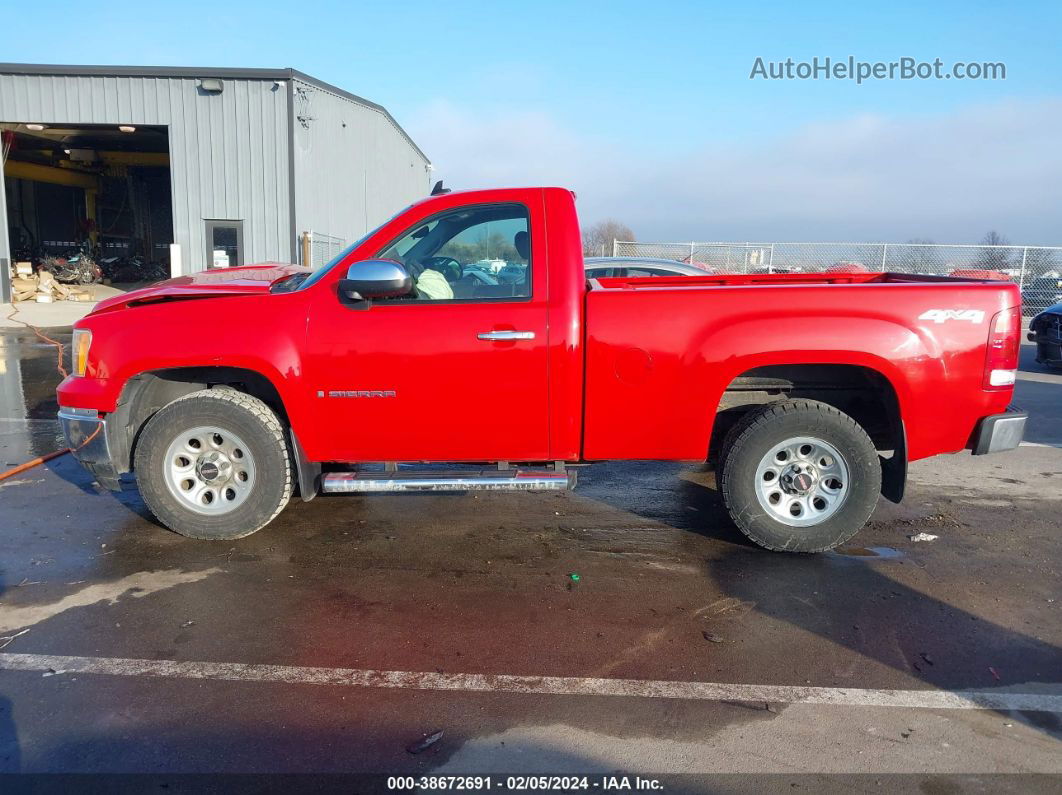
229	153
354	168
5	247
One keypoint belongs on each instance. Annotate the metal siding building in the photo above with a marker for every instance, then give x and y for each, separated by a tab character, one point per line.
383	171
275	149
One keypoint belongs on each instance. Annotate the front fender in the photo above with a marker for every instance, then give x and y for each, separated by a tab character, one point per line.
259	333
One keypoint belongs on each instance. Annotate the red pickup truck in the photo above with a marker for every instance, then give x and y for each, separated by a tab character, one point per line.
459	346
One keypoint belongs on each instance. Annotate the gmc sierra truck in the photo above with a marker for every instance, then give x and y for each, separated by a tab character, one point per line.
459	346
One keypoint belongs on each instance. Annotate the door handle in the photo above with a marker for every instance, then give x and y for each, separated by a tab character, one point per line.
506	335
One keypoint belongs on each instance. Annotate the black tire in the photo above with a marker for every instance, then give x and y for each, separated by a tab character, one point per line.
261	432
757	433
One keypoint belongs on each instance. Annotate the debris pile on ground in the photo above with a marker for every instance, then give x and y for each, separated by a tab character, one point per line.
42	287
923	537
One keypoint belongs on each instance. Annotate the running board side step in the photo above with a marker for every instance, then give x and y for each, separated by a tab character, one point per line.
488	480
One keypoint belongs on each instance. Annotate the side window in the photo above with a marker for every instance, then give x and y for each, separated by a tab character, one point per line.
477	253
224	244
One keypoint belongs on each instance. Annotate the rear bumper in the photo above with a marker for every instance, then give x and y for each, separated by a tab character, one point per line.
1000	432
86	436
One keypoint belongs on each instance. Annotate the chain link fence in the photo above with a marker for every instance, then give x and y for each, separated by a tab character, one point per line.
1036	269
319	249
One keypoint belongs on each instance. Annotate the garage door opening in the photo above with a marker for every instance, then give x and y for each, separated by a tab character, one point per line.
90	203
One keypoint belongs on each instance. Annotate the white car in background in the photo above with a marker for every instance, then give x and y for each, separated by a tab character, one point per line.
631	267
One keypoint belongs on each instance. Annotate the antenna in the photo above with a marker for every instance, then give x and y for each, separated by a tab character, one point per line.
439	190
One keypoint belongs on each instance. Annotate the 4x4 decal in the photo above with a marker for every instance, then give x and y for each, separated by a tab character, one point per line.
940	315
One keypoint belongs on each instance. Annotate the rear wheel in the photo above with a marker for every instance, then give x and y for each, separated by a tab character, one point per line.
214	465
799	476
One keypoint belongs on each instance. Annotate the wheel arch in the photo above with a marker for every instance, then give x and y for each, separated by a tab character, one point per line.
145	393
863	392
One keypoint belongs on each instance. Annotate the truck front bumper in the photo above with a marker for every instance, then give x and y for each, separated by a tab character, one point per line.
86	436
1000	432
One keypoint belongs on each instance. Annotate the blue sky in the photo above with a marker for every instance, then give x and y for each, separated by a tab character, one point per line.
647	109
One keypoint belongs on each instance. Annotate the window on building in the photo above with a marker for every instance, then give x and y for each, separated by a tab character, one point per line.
224	242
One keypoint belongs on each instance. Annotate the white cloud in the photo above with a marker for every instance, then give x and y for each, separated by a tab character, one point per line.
949	177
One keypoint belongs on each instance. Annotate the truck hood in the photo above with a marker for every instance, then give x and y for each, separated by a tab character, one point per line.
206	284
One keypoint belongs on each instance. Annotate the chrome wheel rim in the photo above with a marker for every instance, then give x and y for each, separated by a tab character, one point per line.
802	481
209	470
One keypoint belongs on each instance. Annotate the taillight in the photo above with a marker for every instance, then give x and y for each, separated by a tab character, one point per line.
1004	340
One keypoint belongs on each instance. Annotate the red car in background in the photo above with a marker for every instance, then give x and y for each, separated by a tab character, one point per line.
973	273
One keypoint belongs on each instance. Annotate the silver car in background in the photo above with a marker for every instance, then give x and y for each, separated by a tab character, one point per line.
631	267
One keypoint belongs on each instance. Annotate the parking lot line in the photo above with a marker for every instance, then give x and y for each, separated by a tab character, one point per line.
537	685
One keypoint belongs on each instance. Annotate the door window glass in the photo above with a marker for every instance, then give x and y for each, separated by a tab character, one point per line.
471	253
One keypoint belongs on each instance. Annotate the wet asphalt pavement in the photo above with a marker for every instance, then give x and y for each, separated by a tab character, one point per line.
667	591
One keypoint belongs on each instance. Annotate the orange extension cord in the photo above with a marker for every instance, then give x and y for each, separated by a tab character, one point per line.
59	348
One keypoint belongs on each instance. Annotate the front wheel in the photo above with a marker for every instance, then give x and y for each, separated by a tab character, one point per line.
214	465
799	476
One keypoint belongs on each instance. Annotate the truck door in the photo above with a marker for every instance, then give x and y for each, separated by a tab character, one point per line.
455	372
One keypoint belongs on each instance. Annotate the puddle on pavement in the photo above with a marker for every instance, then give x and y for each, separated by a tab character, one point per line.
865	552
28	377
28	367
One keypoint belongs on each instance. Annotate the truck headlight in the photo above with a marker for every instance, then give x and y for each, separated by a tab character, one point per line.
79	345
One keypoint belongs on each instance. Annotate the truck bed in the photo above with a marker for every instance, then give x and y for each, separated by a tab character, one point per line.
662	351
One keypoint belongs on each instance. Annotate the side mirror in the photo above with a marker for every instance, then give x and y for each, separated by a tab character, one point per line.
376	278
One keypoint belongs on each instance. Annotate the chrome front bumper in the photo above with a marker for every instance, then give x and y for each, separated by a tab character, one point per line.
86	436
1000	432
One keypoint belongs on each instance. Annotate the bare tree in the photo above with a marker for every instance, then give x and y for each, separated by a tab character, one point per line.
921	256
597	238
994	259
